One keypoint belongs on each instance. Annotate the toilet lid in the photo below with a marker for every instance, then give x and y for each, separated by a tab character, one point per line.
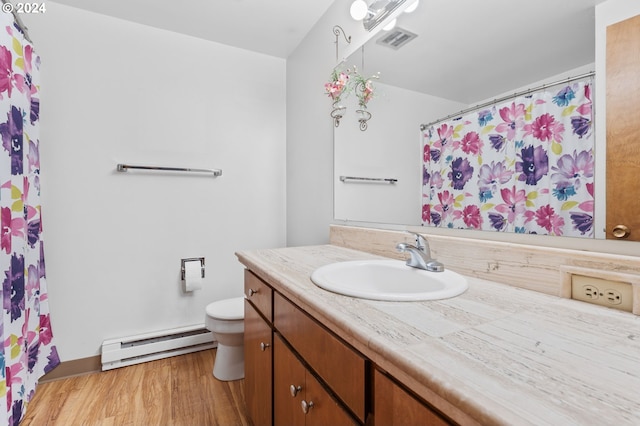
227	309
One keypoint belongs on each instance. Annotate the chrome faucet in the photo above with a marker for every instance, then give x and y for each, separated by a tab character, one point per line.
420	255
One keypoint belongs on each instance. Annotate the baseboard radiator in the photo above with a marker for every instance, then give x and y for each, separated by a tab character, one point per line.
157	345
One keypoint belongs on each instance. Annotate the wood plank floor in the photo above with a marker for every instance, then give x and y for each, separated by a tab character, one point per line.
174	391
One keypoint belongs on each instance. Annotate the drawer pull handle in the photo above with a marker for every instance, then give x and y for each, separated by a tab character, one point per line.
306	406
264	346
295	390
252	292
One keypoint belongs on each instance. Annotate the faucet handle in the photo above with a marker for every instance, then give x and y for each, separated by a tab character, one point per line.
421	243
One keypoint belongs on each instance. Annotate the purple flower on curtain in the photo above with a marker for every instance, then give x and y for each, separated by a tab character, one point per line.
498	222
435	155
35	110
426	177
436	219
471	216
461	172
436	181
484	117
547	218
583	222
34	157
564	97
545	128
32	355
513	120
492	174
515	202
572	169
581	126
534	164
11	132
13	288
497	142
471	143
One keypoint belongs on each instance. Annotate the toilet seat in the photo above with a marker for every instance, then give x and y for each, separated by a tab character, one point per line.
227	309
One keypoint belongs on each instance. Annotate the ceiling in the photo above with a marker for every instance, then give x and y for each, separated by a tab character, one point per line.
472	50
466	50
272	27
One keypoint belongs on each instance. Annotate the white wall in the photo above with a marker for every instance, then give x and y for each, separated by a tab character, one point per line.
115	91
391	147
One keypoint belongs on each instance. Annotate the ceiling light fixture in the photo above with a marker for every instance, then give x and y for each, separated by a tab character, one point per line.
359	10
412	7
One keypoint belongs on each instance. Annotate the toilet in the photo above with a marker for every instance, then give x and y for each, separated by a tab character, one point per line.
225	319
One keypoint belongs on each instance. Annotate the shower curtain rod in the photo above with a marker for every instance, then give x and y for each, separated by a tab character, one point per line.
506	98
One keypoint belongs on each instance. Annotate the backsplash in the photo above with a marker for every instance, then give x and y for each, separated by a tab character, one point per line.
542	269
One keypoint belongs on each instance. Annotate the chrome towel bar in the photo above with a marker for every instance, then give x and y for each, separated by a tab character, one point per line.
390	181
125	167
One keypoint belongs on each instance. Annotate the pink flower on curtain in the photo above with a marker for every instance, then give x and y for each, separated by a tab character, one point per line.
549	220
471	144
6	71
545	128
515	202
445	135
513	118
426	212
445	208
471	216
436	181
9	228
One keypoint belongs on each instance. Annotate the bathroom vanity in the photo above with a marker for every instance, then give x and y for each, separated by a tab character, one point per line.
496	354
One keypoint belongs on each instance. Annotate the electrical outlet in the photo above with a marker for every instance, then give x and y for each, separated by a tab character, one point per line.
614	294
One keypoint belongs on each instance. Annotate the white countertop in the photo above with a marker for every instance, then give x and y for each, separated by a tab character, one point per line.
493	355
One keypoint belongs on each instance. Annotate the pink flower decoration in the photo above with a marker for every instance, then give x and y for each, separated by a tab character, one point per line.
513	118
545	128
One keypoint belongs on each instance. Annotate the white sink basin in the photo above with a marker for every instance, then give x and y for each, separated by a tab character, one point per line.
388	280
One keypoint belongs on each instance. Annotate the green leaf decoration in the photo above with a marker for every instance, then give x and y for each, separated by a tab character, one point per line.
556	148
487	206
532	195
569	205
568	110
487	129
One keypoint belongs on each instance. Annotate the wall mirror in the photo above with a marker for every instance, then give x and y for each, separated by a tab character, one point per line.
444	57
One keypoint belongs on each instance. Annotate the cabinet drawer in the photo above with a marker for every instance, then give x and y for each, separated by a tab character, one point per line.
259	293
342	368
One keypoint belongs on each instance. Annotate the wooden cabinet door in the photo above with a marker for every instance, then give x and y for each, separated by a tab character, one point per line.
258	366
393	406
623	129
322	409
288	372
295	388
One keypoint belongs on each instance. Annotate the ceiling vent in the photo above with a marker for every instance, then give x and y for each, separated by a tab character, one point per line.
396	38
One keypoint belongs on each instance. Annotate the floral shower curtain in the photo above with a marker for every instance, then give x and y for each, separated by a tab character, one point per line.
525	165
27	351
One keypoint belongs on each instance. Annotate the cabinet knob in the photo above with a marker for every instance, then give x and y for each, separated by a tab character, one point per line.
264	346
252	292
295	390
621	231
306	406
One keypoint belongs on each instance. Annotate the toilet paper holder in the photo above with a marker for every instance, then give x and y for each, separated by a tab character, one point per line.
191	259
